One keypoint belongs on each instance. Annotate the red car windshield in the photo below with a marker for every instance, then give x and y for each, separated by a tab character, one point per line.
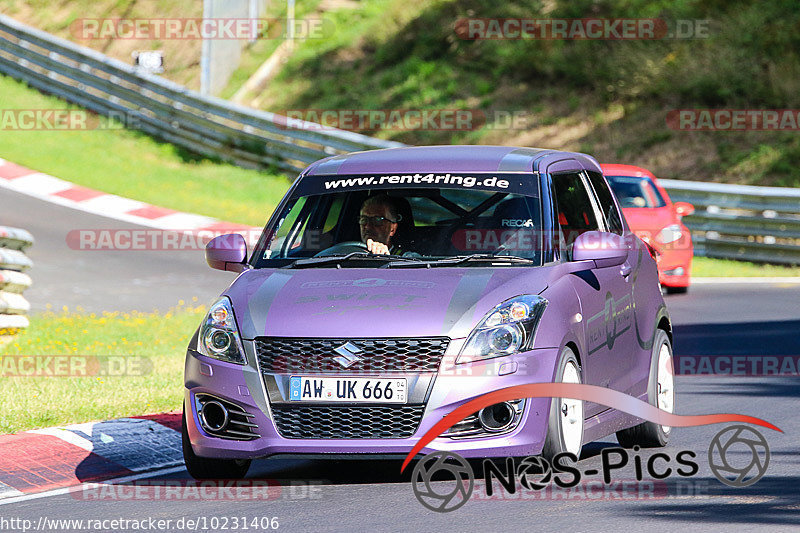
632	191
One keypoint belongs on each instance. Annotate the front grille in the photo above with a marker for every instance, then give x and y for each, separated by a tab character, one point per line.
277	355
335	422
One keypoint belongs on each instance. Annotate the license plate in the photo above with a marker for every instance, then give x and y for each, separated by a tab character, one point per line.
338	389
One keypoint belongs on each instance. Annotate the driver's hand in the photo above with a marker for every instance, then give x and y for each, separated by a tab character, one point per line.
377	247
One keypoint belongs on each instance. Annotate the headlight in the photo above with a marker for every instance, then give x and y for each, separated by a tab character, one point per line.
670	234
218	336
507	329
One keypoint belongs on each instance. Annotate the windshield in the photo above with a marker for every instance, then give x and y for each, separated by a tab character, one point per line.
634	191
495	216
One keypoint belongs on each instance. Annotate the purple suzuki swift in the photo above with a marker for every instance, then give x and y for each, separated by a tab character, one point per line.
392	286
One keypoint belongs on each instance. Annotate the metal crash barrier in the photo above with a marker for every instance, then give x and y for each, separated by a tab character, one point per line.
13	281
746	222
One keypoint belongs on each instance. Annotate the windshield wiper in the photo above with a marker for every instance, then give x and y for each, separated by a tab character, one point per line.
461	259
325	260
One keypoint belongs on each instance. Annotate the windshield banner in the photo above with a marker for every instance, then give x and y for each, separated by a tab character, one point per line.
513	183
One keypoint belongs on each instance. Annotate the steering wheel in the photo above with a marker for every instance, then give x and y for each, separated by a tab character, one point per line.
343	248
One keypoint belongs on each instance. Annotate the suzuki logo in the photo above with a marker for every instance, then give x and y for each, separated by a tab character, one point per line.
347	354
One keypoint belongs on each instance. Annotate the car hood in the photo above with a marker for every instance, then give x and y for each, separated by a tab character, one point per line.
404	302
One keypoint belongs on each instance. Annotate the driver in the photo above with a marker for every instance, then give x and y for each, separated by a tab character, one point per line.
378	221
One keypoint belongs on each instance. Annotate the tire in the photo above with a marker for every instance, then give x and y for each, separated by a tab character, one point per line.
662	378
563	437
677	290
205	468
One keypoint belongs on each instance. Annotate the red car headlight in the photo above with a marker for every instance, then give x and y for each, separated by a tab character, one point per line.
671	233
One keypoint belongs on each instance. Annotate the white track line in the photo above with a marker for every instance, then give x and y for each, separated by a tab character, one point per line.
67	436
8	492
39	184
76	488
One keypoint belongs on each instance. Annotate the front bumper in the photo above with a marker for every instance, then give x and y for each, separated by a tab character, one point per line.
451	387
675	266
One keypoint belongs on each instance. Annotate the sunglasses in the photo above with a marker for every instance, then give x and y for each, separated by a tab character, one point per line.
363	220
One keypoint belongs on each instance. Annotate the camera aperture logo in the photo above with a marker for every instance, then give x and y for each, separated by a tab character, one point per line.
728	456
452	493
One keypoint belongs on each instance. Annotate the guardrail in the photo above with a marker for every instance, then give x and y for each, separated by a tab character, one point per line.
13	280
746	222
204	125
735	222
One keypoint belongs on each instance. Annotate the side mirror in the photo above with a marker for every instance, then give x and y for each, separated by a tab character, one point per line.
683	209
227	252
605	249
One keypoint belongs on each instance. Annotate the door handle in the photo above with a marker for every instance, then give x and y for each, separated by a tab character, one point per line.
625	270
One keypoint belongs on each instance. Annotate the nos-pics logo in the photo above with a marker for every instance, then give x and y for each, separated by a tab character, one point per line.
738	456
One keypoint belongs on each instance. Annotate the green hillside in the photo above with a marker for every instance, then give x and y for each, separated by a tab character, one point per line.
181	56
609	98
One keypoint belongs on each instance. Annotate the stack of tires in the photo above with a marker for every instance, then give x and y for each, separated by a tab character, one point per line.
13	281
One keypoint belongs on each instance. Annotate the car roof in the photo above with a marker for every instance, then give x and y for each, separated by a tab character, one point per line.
452	159
626	170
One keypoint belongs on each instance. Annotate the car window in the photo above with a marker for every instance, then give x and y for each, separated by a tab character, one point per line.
633	191
576	214
431	222
286	224
427	212
605	197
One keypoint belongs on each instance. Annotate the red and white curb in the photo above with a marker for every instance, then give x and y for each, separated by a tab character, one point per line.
52	461
55	190
41	460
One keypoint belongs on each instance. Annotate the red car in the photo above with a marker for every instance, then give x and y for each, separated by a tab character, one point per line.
656	220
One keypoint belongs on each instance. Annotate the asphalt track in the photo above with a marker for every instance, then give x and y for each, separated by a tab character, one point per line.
373	496
98	281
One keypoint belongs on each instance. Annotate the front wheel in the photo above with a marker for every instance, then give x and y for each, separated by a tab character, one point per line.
206	468
660	392
565	423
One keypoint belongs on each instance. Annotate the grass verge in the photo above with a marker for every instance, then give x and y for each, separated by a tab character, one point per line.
143	367
706	267
133	165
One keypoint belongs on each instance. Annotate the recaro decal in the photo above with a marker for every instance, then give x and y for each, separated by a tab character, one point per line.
516	223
